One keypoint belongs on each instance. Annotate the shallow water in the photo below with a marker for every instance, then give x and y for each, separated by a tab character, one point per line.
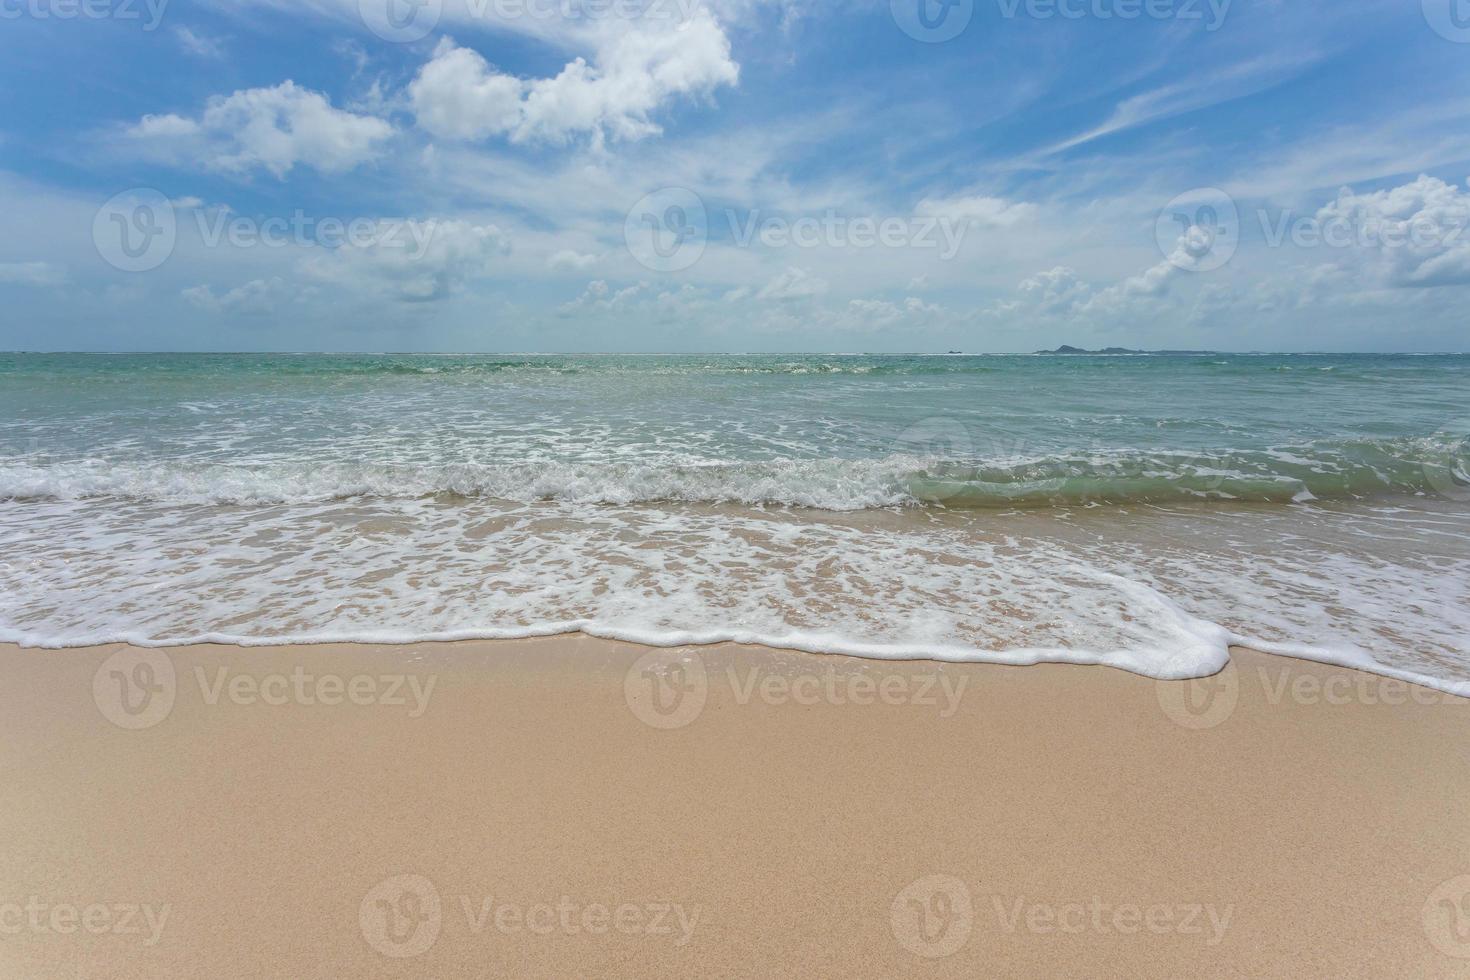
1138	511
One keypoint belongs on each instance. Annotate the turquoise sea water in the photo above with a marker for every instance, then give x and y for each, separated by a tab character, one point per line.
1138	510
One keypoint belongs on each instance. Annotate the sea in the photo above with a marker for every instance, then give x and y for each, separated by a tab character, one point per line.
1140	511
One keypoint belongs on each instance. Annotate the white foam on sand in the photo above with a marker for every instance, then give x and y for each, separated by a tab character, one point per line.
1162	596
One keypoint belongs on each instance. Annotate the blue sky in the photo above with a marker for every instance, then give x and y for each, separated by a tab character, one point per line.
696	175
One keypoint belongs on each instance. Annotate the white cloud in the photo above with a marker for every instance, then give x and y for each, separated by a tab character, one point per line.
568	259
600	296
415	261
875	312
882	314
459	95
979	211
32	274
274	128
1198	91
792	284
257	297
163	126
1417	234
198	45
1054	292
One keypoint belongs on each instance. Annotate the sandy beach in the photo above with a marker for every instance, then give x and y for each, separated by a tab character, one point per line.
571	806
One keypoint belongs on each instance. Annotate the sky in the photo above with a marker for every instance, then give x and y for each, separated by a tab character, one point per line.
734	175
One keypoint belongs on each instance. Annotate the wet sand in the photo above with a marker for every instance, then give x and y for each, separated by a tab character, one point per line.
577	807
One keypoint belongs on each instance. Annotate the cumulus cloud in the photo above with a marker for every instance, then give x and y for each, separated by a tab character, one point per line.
257	297
1417	234
459	95
272	128
415	261
880	314
1054	292
793	284
568	259
600	296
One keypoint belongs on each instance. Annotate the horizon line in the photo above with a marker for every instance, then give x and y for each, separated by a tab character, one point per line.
1119	352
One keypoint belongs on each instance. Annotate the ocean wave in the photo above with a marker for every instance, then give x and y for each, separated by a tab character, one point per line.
973	588
1428	466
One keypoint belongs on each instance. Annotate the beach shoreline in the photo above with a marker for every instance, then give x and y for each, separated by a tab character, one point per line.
573	806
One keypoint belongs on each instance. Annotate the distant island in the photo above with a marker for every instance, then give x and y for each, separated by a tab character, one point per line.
1066	349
